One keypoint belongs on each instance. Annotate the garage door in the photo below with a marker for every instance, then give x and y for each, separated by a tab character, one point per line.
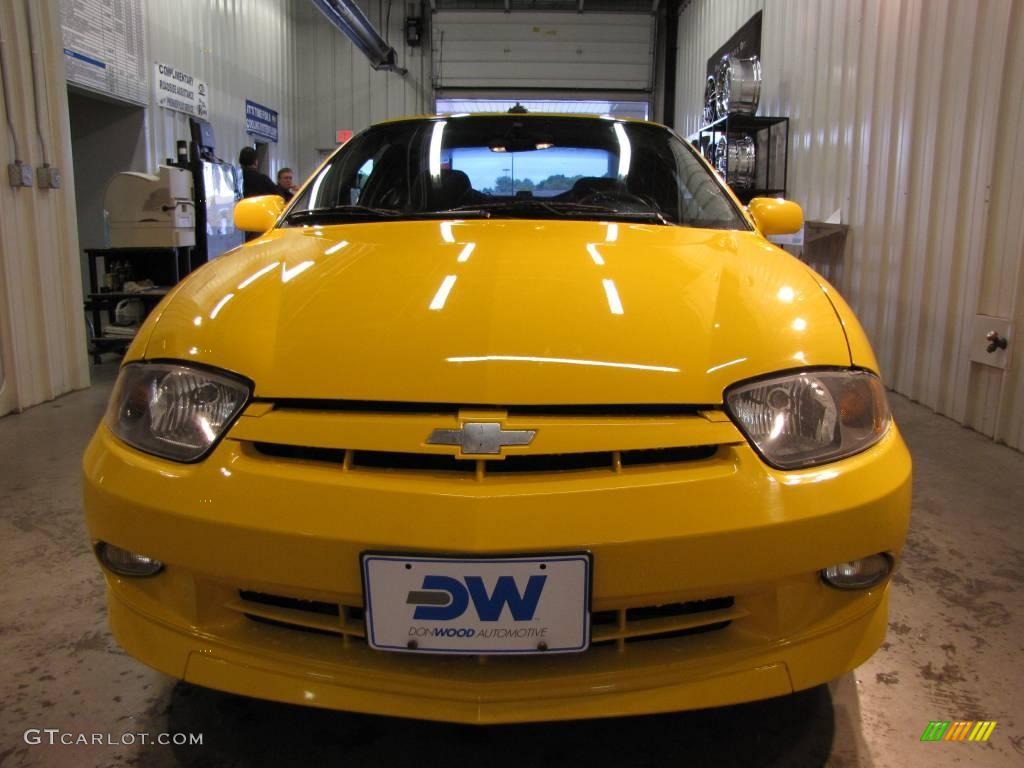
593	51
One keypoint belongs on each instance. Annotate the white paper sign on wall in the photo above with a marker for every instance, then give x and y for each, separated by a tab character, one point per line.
104	47
180	91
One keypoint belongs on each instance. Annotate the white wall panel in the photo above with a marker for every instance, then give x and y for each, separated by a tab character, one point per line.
243	49
283	54
337	87
905	116
492	49
42	331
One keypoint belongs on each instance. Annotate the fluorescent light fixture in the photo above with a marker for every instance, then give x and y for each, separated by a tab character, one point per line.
592	250
347	17
289	274
467	251
614	303
545	145
441	296
435	149
562	361
336	248
625	150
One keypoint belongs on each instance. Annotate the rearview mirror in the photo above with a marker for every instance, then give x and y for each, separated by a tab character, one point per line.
775	216
258	214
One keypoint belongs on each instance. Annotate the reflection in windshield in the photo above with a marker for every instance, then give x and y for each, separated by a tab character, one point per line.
518	166
543	173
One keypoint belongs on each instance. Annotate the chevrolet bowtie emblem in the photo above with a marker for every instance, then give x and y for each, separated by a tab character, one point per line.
481	437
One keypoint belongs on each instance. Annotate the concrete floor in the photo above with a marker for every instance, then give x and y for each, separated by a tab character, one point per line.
954	651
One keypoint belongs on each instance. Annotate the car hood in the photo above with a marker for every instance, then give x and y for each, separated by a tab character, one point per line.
501	312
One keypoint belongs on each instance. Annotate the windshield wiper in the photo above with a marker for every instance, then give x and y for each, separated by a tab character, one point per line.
339	211
561	207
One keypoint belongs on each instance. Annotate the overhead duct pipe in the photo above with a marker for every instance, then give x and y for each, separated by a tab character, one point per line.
347	17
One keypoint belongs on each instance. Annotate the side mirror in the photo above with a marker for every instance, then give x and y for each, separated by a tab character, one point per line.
258	214
775	216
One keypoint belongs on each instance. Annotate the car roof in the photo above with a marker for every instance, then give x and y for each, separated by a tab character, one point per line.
516	116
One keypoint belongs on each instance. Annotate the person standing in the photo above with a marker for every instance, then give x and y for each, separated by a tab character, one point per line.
254	183
286	183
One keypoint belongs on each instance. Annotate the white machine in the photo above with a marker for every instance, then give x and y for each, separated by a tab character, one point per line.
144	210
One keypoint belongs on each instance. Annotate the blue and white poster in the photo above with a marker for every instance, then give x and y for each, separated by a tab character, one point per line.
260	121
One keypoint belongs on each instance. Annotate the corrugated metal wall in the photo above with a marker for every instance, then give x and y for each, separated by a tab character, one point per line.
285	55
338	89
42	330
905	116
243	49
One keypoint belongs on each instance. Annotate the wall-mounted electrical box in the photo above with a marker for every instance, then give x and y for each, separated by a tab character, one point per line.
19	174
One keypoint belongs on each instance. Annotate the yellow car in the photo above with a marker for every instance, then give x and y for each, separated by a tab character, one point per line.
504	418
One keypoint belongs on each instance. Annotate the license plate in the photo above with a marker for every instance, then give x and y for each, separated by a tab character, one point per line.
477	605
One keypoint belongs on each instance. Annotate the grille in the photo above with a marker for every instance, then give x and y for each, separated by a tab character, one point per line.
300	615
620	627
449	409
528	463
662	622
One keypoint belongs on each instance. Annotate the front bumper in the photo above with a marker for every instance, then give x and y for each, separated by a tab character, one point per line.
723	526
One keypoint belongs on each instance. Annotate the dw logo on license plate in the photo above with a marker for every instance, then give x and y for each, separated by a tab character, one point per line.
477	606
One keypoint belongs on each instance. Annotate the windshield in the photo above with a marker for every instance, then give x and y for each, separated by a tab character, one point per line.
516	166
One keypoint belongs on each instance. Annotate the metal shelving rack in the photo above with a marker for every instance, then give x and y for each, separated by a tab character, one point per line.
165	266
771	135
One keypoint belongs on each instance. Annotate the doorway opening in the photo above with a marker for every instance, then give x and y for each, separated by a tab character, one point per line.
107	137
263	156
638	107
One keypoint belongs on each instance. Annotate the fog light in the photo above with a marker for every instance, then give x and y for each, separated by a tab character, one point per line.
125	563
858	574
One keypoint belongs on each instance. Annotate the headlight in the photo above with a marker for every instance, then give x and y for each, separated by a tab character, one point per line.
811	417
174	411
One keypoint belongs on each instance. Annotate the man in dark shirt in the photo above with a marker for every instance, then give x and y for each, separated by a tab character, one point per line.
254	183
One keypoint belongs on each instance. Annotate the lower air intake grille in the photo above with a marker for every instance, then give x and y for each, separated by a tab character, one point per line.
622	626
291	603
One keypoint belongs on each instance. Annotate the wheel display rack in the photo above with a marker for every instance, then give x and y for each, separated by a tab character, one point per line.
770	137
